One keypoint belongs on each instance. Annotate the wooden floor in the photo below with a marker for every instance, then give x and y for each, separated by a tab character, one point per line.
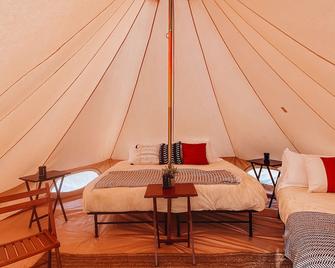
77	235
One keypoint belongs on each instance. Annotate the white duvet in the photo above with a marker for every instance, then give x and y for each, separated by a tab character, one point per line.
296	199
248	195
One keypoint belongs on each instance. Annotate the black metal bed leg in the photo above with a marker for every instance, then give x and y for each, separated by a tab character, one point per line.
178	224
250	224
96	230
165	224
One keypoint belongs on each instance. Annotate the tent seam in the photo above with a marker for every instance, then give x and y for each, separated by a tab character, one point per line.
282	53
55	51
289	36
57	69
210	78
97	85
273	69
245	76
136	83
82	71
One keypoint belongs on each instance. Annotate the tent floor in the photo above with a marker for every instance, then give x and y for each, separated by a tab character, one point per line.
77	235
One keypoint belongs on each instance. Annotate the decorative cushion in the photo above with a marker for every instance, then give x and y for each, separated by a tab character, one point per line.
194	154
144	154
210	152
321	174
176	154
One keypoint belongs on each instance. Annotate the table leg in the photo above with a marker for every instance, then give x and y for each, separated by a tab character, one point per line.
58	197
156	241
191	228
169	215
274	186
34	215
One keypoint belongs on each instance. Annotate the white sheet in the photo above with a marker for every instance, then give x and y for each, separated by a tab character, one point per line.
248	195
294	199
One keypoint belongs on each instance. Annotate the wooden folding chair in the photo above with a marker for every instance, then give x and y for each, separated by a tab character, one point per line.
43	241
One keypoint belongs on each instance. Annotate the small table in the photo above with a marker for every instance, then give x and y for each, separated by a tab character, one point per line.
51	175
155	191
271	164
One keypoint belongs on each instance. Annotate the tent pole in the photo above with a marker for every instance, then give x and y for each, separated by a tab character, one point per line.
170	83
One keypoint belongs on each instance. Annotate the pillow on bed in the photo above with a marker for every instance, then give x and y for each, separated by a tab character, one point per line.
194	154
144	154
210	152
321	174
293	170
176	154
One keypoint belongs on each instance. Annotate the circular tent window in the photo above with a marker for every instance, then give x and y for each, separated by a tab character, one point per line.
76	181
265	177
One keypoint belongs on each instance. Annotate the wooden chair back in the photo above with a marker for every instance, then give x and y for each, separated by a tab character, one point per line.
34	202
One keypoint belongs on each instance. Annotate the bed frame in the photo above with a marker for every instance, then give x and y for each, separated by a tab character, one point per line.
179	221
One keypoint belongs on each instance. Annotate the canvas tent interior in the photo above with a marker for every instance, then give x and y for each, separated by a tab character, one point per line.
82	81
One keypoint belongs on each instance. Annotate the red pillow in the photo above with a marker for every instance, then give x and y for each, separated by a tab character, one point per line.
194	154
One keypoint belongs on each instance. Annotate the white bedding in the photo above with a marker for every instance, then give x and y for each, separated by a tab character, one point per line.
294	199
248	195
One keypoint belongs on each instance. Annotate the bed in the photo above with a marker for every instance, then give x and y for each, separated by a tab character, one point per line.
248	195
309	226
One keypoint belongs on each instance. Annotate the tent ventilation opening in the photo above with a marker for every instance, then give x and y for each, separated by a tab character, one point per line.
76	181
265	177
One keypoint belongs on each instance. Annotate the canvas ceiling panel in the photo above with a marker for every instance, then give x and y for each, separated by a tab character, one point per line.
32	30
310	22
320	70
311	93
146	122
25	86
196	112
300	124
54	124
251	127
15	125
98	125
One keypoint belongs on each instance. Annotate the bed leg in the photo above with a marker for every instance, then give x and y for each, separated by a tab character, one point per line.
250	223
178	224
96	230
165	224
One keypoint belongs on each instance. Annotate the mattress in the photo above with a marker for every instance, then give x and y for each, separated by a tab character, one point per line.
296	199
248	195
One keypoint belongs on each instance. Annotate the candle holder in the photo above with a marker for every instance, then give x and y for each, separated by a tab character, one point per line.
267	158
42	172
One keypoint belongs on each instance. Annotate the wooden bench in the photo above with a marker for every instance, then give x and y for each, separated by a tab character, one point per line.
43	241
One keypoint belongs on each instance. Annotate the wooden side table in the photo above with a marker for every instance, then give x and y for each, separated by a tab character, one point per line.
51	175
262	164
155	191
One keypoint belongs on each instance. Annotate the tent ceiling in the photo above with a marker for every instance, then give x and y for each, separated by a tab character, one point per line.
83	80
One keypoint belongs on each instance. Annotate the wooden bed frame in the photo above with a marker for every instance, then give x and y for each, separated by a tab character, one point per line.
179	221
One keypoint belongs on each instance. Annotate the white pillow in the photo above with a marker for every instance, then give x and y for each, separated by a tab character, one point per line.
293	170
210	153
321	177
144	154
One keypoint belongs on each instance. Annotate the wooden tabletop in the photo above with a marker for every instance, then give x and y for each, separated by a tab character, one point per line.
52	174
260	161
179	190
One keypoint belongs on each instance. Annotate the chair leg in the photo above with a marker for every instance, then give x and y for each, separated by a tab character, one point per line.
58	258
49	259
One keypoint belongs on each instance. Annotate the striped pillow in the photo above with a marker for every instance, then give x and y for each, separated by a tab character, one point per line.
176	154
